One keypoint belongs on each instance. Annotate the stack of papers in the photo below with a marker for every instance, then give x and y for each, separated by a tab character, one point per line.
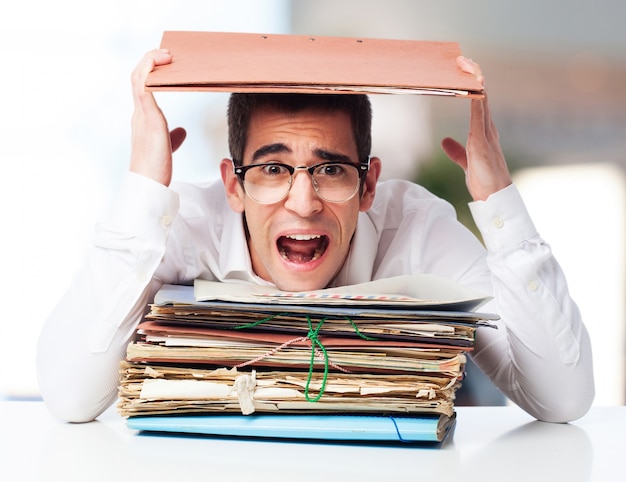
375	353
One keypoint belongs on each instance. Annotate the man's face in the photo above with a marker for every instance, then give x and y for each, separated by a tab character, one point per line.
300	242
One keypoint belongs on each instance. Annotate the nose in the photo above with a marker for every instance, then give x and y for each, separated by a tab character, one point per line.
302	198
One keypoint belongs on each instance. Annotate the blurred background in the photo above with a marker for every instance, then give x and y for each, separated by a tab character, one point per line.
555	72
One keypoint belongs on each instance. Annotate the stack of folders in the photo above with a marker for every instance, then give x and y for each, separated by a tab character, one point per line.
343	364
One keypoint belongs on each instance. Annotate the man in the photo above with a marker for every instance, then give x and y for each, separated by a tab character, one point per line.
300	207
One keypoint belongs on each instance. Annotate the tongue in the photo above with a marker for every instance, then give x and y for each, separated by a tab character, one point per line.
299	251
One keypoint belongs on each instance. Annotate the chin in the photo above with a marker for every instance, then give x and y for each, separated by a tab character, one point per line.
300	282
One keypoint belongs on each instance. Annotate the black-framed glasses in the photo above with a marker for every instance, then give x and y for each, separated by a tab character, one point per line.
269	183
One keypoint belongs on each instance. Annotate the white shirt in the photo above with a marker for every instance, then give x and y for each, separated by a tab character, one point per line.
539	357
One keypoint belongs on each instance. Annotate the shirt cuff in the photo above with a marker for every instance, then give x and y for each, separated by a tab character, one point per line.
503	219
142	204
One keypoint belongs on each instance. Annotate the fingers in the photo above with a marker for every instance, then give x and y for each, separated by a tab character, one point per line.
455	151
471	67
149	61
145	66
177	136
479	124
480	119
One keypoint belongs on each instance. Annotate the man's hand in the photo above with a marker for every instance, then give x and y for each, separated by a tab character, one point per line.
482	159
152	144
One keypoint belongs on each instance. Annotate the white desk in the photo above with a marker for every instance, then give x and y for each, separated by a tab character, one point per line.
490	444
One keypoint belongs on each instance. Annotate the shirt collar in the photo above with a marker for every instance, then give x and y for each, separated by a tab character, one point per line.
235	263
359	265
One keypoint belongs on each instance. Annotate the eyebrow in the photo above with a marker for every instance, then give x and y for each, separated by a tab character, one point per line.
268	149
331	156
279	148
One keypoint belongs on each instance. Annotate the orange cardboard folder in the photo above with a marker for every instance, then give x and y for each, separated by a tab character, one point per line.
247	62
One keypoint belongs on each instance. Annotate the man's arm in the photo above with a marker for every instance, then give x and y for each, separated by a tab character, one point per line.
541	356
85	337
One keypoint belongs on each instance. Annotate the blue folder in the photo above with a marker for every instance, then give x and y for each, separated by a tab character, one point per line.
364	428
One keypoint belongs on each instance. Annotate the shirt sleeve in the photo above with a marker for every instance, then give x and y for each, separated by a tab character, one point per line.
85	336
540	355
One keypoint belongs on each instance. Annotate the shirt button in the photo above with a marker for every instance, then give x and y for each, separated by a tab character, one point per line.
533	286
141	277
166	220
498	223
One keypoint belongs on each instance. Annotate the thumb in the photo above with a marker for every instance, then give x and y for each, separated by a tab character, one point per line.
455	151
177	136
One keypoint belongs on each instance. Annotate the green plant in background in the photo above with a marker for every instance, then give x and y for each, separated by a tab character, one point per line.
445	179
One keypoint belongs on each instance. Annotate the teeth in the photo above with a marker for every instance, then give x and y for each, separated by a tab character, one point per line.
302	257
303	237
316	255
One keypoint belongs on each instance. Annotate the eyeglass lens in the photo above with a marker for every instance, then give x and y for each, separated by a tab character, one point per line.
333	182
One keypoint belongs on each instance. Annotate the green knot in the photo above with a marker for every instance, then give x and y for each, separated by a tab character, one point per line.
316	347
312	335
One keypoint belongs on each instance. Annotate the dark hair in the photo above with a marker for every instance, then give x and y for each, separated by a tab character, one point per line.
241	107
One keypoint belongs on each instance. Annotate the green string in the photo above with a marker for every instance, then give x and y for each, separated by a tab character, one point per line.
356	330
313	336
257	323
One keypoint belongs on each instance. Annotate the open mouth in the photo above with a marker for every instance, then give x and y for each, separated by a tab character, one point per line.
302	248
